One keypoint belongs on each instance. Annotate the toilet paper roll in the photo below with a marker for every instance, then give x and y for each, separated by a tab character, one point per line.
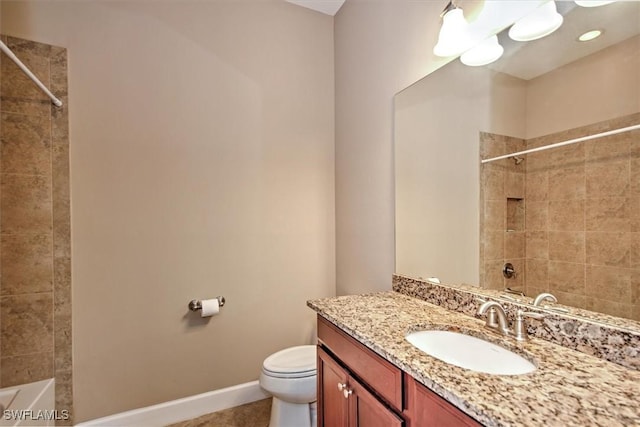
210	307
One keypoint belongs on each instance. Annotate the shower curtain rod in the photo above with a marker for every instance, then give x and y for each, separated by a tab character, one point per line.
561	144
14	58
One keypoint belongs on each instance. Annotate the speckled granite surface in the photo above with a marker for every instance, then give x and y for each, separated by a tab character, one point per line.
611	338
568	388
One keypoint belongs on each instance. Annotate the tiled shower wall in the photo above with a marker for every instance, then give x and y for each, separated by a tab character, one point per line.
582	219
35	246
502	227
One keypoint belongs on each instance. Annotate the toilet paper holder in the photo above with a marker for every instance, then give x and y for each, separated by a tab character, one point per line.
195	305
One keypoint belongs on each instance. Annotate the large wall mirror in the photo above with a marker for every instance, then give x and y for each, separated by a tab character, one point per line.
567	219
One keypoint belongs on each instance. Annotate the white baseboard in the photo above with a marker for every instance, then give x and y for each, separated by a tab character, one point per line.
184	409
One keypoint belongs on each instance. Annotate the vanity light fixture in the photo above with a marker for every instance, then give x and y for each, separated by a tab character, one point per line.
486	52
539	23
593	3
454	37
590	35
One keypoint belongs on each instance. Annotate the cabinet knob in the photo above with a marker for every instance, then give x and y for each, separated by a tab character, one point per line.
346	392
341	386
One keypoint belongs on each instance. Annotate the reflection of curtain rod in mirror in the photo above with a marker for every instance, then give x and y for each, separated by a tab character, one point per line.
561	144
14	58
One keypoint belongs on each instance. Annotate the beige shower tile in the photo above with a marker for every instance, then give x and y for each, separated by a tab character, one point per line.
26	322
634	213
495	213
23	46
63	358
60	123
635	286
60	171
567	183
494	245
634	250
608	178
58	61
26	144
537	275
609	307
566	277
515	215
610	148
537	244
609	283
64	395
26	263
566	215
567	246
608	214
62	313
537	186
493	278
27	368
18	94
514	185
494	185
536	216
572	300
532	292
514	244
567	157
537	162
26	204
604	248
634	175
491	145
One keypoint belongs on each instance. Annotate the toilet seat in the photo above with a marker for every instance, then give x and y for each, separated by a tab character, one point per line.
293	362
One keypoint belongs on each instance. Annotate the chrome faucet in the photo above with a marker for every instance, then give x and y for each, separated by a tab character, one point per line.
519	332
538	300
495	311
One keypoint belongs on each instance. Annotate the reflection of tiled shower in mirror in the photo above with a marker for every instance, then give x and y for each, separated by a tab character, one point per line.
567	219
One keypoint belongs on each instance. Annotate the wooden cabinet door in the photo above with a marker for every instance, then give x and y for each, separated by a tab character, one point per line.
427	409
344	402
365	410
332	403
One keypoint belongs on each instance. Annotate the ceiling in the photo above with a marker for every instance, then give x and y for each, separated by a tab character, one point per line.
329	7
527	60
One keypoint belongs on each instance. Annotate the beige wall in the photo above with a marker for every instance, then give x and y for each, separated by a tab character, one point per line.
202	164
380	48
559	100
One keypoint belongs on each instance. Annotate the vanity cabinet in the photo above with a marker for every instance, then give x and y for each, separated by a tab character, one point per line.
358	388
345	402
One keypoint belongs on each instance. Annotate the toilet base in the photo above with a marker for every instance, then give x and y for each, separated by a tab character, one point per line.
286	414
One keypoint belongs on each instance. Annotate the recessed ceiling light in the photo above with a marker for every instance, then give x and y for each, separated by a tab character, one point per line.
590	35
593	3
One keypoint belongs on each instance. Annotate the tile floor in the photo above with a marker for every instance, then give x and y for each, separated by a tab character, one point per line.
254	414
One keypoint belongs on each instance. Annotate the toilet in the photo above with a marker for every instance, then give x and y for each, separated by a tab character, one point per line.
290	375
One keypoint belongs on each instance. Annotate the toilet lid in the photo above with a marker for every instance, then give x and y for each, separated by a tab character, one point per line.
292	362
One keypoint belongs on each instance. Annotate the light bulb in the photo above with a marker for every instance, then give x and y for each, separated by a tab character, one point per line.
486	52
540	23
454	35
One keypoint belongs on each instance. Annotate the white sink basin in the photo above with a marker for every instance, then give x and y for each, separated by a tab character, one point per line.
470	353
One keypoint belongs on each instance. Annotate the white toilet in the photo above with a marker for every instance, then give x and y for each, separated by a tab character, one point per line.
290	376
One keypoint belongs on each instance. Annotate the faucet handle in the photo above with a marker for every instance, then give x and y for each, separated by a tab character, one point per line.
520	327
531	314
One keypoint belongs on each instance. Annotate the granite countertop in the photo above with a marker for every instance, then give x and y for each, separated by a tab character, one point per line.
568	388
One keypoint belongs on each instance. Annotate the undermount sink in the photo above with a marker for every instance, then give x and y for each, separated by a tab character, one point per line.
470	352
